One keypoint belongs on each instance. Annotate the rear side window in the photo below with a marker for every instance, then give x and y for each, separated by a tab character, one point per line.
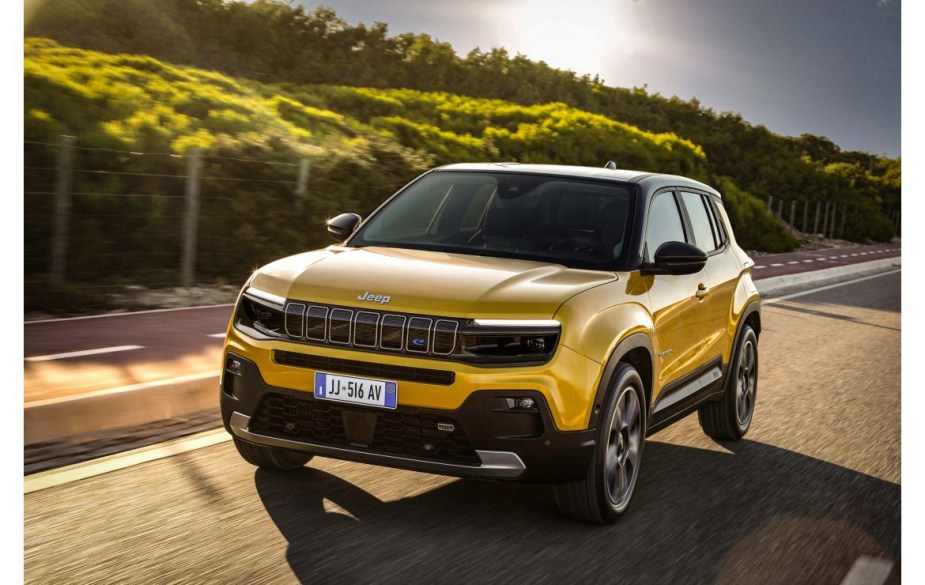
701	221
664	223
718	225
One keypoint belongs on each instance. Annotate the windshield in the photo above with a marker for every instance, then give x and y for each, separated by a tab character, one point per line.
578	223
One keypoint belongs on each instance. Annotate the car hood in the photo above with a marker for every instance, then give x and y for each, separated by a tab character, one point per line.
427	282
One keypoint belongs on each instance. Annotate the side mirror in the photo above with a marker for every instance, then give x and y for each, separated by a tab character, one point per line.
676	258
344	224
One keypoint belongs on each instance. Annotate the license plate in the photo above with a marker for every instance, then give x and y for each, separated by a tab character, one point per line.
365	391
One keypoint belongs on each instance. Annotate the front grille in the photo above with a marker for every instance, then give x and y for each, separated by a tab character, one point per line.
372	330
412	434
358	368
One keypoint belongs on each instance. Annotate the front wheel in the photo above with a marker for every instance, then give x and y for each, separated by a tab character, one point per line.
604	494
731	417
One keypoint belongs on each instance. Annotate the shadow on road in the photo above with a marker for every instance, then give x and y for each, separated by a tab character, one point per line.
758	514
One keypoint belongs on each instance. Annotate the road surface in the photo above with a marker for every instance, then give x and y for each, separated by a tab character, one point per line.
811	493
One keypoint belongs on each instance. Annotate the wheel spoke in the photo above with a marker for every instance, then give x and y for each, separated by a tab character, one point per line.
632	454
610	461
622	482
632	410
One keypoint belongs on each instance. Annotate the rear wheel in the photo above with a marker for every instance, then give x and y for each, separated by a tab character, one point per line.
271	457
607	488
731	417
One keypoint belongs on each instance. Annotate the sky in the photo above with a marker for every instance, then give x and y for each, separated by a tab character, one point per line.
824	67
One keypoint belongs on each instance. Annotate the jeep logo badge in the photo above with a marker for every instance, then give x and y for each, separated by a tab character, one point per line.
374	298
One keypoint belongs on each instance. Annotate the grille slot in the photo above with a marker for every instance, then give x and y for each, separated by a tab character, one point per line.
407	432
295	319
316	320
358	368
418	334
341	319
445	336
365	329
393	328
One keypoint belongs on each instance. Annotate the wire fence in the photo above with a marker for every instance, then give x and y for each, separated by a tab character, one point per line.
100	219
825	218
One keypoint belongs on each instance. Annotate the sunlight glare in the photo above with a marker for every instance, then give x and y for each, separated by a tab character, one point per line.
582	35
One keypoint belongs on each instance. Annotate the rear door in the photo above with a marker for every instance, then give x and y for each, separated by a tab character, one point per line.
723	270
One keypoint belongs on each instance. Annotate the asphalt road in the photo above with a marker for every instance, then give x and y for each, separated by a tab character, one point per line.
813	487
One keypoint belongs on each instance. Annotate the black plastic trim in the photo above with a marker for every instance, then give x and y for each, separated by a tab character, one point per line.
659	419
550	455
631	342
358	368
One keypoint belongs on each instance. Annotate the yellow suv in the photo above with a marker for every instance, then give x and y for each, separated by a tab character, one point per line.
502	321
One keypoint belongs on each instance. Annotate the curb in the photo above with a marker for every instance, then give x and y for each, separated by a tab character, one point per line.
56	419
775	284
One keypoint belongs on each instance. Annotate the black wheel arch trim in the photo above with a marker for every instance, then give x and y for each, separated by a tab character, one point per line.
629	343
751	308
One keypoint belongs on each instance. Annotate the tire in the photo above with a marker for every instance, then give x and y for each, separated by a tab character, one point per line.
730	418
271	457
605	492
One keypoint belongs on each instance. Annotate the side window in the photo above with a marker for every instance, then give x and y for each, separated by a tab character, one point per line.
700	221
664	223
718	224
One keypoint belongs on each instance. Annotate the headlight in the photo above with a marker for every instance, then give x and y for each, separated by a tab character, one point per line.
261	312
510	340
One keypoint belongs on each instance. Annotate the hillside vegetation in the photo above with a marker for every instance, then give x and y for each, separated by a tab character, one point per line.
252	84
273	41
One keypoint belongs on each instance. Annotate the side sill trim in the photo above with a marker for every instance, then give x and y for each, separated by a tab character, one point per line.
690	388
495	464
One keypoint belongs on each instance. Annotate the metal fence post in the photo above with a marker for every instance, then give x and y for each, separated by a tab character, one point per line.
805	215
301	186
771	204
62	214
825	219
816	223
190	217
793	209
780	209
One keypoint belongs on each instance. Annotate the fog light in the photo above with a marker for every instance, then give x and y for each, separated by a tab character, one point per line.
233	367
526	403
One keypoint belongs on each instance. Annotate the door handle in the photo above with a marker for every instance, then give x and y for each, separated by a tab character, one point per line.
702	291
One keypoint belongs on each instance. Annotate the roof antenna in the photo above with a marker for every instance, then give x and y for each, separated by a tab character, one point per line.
611	165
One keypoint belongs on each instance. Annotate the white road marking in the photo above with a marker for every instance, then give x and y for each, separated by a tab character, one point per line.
854	254
86	352
759	267
120	389
71	473
868	571
127	313
844	256
807	260
776	265
221	335
827	287
833	257
794	262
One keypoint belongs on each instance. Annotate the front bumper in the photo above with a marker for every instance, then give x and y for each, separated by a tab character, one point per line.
486	439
